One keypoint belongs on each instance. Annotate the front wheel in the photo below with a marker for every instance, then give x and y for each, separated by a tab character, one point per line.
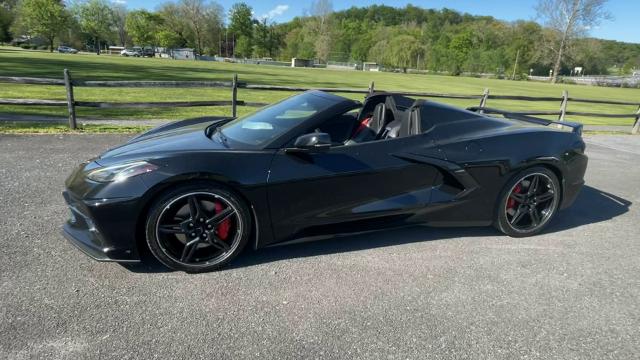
197	228
528	202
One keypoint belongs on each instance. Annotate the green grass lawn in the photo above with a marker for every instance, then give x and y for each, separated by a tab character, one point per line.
40	128
18	62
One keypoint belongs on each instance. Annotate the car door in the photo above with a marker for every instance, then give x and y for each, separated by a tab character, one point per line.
348	188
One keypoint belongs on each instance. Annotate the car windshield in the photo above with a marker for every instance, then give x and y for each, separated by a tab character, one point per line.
258	129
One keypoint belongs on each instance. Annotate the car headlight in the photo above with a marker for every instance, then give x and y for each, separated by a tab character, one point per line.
121	172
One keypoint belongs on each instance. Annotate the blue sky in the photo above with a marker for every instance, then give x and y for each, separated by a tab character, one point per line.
623	27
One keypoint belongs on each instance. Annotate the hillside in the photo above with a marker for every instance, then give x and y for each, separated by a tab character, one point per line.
445	41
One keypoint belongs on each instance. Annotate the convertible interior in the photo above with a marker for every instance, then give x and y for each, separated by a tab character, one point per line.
383	116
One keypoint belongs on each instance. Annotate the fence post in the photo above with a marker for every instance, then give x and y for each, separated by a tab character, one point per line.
563	105
234	95
371	88
483	100
636	124
71	104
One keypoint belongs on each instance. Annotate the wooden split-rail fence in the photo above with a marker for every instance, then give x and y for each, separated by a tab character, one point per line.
234	102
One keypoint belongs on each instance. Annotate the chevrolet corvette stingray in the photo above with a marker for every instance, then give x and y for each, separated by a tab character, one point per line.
197	192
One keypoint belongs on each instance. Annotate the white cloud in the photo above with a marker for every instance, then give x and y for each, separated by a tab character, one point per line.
120	2
275	12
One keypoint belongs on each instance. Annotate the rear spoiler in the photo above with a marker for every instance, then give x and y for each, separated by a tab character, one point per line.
575	127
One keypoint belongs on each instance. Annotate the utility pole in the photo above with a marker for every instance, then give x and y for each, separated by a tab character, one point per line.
515	66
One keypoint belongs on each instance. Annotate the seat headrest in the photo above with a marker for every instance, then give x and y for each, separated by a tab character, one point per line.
411	124
379	118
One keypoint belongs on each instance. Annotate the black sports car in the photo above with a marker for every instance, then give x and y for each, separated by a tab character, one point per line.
196	192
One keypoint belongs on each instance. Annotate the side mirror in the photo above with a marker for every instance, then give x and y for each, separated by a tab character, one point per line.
314	142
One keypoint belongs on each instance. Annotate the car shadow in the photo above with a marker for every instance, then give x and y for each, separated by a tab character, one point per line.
591	206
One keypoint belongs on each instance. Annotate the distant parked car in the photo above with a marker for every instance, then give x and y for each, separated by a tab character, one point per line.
146	52
130	52
67	50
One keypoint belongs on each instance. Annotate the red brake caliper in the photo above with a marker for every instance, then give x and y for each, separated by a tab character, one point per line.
225	226
511	203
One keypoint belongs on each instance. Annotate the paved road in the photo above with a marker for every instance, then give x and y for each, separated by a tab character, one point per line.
416	293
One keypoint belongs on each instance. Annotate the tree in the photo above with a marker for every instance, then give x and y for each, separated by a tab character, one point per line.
46	18
404	51
6	19
569	19
143	27
241	20
379	53
523	42
588	54
7	16
460	47
261	39
120	22
213	30
323	47
266	39
96	19
243	47
359	50
241	28
321	10
201	18
169	39
292	43
175	31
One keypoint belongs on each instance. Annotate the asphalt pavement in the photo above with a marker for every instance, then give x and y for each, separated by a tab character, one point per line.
416	293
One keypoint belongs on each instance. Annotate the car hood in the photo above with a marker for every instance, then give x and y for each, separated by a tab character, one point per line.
186	135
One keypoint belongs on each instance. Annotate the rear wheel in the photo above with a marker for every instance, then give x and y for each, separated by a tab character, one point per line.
198	228
528	202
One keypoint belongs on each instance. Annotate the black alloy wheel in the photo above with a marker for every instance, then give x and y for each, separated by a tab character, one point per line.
198	229
530	201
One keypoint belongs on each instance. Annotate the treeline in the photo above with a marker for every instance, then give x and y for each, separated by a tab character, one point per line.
94	24
398	38
447	41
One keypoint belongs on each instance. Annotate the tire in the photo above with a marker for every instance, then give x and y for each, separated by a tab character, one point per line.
186	231
526	211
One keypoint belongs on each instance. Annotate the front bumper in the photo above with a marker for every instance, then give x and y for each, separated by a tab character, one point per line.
85	243
104	230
